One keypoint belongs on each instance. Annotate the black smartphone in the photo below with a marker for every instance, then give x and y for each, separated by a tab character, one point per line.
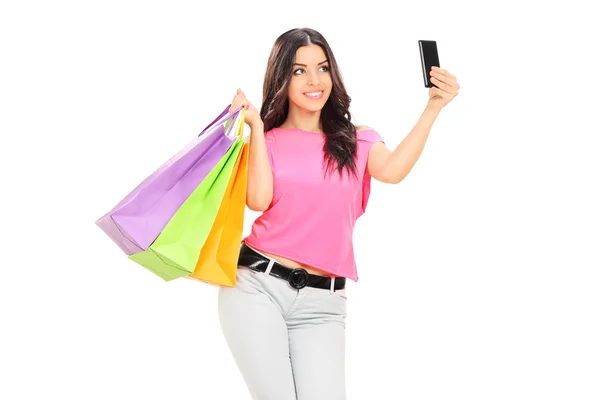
429	58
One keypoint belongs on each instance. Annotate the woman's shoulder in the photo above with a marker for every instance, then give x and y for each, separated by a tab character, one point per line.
367	134
364	131
362	128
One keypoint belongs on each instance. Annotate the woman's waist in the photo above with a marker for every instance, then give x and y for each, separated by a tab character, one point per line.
313	259
288	262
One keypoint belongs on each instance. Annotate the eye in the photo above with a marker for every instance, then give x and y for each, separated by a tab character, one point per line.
300	71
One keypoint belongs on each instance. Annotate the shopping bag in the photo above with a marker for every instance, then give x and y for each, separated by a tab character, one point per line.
218	260
175	251
135	222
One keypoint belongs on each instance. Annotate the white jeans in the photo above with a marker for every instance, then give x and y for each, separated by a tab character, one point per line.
288	344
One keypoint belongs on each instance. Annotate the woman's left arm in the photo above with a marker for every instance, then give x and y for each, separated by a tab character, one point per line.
392	167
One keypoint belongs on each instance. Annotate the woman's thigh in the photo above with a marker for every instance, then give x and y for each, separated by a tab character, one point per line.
317	346
257	336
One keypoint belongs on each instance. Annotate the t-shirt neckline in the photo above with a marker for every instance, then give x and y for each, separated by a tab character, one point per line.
300	130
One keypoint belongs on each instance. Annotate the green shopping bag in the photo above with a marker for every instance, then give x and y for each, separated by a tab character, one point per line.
175	251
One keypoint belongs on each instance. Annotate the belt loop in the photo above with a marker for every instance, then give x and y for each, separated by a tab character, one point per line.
332	285
270	266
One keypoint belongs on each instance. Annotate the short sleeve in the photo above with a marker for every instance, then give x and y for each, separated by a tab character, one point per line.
366	138
369	135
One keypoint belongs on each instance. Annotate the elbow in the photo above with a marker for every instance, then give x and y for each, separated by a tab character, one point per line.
391	179
396	179
397	176
258	203
259	193
256	206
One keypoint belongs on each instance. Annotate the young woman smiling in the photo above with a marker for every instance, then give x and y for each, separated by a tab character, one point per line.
309	173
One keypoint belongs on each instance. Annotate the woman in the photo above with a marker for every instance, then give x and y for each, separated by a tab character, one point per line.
309	172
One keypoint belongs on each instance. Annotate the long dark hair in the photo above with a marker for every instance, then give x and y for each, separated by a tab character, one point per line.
340	144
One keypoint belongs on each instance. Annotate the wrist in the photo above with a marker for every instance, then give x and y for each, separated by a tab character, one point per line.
256	125
432	108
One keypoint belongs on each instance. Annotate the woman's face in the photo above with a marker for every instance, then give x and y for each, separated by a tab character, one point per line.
310	86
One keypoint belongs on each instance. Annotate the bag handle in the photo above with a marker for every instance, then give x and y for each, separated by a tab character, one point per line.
238	123
220	119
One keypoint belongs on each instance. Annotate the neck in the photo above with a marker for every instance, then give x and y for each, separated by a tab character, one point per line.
309	121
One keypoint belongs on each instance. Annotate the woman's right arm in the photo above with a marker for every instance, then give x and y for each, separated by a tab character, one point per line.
259	189
259	192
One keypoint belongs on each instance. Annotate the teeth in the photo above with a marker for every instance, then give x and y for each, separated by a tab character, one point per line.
314	94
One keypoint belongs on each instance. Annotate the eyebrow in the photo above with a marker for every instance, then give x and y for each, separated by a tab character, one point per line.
304	65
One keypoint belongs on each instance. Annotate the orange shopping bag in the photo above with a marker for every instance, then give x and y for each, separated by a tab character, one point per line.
218	260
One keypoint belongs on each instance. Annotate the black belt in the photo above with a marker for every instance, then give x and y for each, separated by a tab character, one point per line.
297	278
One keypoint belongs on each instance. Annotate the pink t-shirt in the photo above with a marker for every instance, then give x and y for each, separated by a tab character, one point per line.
311	218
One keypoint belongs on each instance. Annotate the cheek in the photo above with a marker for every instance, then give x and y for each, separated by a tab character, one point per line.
295	90
328	82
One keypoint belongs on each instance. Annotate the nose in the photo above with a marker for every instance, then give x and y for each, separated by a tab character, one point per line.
313	78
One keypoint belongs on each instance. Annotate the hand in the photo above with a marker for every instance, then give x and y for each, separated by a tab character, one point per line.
252	114
446	90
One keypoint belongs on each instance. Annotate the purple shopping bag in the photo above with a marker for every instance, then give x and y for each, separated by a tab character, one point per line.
137	220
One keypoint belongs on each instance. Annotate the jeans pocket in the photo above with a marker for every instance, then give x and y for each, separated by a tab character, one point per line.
245	270
341	293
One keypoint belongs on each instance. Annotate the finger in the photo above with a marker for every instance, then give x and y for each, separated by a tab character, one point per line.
440	76
445	83
443	73
233	102
451	81
438	92
239	91
447	73
440	84
434	92
235	105
446	94
239	100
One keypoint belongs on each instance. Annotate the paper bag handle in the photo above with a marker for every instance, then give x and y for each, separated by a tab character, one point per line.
221	118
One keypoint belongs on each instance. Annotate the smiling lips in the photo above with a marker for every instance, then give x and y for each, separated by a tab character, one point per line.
314	95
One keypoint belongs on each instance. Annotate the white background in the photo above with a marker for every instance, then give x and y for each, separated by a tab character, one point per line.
479	273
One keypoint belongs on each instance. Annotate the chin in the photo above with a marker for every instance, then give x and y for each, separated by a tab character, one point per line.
313	107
